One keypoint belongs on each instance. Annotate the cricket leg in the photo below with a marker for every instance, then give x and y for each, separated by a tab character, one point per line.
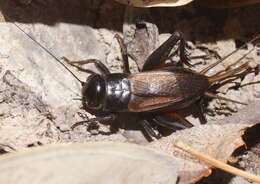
124	54
201	111
172	120
100	66
110	117
160	55
149	130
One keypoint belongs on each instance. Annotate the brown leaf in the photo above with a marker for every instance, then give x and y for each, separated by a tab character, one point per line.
227	3
218	140
173	3
155	3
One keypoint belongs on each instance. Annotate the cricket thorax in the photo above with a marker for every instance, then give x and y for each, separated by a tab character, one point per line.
117	92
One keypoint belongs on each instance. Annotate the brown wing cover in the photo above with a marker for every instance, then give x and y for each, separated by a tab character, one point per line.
170	87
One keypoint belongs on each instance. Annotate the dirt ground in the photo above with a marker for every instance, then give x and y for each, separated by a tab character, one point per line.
38	103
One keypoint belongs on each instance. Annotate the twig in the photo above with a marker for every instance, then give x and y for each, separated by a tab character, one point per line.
216	163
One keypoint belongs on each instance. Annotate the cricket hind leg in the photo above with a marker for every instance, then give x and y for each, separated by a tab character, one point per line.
201	111
149	131
100	66
160	55
172	120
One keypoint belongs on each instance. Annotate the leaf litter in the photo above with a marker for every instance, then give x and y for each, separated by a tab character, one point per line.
217	139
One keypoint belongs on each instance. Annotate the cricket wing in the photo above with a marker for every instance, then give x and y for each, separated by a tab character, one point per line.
157	90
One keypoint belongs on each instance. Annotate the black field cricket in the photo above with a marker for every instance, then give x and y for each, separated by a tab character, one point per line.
157	91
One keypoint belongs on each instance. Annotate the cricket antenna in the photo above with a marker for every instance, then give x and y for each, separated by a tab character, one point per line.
39	44
215	64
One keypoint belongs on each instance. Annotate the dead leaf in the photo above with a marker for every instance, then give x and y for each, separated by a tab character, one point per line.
218	140
173	3
155	3
96	162
216	163
226	4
